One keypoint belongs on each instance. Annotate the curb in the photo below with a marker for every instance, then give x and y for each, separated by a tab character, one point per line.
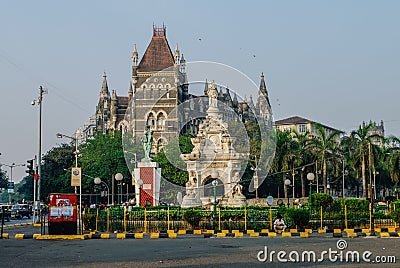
62	237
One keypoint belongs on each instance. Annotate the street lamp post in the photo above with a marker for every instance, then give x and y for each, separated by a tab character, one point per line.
310	178
255	177
215	183
75	139
287	183
119	178
139	183
97	181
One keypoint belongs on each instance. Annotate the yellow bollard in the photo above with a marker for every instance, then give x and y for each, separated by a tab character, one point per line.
245	218
270	218
321	217
345	216
97	219
145	223
108	220
168	218
124	219
219	219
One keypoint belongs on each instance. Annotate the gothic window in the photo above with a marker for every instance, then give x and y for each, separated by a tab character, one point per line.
151	91
161	120
151	120
167	88
144	91
159	90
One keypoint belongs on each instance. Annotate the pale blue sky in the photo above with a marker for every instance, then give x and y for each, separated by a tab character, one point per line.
336	62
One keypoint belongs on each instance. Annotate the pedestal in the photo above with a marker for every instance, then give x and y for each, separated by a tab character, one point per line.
149	191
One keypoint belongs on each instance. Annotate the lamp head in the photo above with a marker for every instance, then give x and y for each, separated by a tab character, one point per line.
310	176
119	177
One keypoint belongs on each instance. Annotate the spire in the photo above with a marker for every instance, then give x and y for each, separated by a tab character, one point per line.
114	95
263	88
183	64
206	88
235	101
135	56
176	54
104	86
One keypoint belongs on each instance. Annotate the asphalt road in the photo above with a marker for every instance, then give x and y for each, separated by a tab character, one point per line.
186	252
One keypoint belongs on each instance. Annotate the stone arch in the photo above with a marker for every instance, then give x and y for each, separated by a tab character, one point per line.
123	126
160	143
209	188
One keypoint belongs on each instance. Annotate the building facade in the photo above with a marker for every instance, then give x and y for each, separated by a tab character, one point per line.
159	97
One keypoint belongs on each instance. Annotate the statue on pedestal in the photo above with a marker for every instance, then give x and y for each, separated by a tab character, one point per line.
147	141
212	95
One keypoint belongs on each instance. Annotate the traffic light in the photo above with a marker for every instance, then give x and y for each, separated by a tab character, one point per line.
30	169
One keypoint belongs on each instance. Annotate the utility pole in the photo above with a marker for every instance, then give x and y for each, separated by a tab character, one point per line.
39	158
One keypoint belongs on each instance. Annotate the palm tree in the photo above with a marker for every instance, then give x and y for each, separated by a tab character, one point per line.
324	146
362	141
283	154
391	158
302	155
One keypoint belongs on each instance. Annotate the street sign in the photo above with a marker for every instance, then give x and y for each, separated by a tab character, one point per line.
10	187
76	177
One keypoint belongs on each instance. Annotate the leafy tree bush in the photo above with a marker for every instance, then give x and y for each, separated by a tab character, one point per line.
193	217
300	217
354	204
321	199
395	215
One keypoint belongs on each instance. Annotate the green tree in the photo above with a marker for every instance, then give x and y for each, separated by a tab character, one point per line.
54	178
173	168
283	154
361	140
324	145
103	157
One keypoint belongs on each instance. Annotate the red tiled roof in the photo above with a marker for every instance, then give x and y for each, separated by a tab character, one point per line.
158	55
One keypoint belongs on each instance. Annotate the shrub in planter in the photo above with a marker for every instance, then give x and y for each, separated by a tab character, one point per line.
395	215
321	199
193	217
300	217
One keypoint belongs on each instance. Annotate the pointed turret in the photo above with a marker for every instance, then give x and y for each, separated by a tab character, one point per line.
104	87
176	54
263	87
183	64
235	101
205	88
135	56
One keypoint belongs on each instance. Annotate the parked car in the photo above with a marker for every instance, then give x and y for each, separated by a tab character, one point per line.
20	211
6	210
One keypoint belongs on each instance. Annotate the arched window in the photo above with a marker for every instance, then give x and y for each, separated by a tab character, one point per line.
167	89
160	120
151	91
151	120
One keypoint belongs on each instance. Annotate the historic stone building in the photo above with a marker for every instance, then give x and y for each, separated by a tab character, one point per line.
158	88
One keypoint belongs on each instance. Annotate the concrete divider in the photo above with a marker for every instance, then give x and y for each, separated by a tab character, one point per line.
154	235
286	234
